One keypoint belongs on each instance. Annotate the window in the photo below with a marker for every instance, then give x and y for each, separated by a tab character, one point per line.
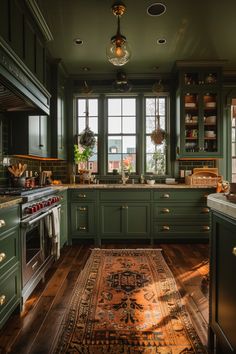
121	134
92	106
155	155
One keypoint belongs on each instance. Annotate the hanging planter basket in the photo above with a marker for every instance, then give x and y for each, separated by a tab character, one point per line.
87	138
158	135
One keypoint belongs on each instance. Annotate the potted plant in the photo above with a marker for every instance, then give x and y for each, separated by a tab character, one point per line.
81	157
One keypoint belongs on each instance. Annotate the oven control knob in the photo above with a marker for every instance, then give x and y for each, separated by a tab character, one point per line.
38	206
29	210
35	207
41	205
49	202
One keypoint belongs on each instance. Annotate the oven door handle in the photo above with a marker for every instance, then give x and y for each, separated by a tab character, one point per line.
26	223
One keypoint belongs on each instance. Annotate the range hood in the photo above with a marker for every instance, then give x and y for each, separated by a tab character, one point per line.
20	90
13	102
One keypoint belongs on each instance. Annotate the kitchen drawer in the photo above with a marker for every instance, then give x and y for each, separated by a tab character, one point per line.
185	195
10	296
125	195
170	210
181	228
83	194
9	217
9	249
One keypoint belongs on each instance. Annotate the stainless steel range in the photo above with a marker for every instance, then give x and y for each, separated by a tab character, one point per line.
38	251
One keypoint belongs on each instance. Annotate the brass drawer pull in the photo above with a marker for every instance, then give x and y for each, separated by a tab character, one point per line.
82	195
2	257
234	251
166	196
2	223
205	210
165	228
165	211
82	209
206	228
2	300
125	207
82	227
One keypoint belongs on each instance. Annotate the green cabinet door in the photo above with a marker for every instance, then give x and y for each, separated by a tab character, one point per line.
137	220
38	137
83	221
10	269
111	219
124	220
199	113
222	283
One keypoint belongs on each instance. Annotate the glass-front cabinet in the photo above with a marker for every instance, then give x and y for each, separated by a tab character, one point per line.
199	113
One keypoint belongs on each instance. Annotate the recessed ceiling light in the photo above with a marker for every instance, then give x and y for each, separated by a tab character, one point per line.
156	9
78	41
86	68
161	41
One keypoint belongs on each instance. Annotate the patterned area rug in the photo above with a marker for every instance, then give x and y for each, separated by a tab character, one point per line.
126	301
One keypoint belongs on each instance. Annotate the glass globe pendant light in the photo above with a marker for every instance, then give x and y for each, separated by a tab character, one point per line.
118	51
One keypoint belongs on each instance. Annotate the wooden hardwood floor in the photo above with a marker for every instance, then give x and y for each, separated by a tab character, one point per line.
34	330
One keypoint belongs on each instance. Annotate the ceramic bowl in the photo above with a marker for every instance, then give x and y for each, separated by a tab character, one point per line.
151	181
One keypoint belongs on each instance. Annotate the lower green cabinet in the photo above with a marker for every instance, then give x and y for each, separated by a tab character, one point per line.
181	214
83	220
124	220
150	214
222	284
10	293
10	267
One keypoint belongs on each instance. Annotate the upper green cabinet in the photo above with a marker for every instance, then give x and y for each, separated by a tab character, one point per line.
199	113
58	110
28	135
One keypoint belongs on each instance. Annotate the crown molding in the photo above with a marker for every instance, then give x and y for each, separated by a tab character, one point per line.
40	20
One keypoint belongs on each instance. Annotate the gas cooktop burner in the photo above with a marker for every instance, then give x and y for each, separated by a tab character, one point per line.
23	191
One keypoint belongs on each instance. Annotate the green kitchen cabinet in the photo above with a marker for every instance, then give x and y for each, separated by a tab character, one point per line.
222	284
124	214
63	218
10	267
181	214
83	214
58	110
38	135
199	113
28	135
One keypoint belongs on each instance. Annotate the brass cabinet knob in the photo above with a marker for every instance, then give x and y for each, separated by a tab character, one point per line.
206	228
82	209
166	195
82	227
2	223
234	251
82	195
2	300
205	210
2	256
165	228
165	211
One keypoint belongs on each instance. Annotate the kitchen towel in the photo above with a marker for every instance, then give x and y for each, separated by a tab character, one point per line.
56	231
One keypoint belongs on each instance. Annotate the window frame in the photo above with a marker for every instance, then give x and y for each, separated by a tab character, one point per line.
120	96
102	146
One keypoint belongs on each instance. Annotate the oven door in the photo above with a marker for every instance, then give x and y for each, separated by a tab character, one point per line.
36	246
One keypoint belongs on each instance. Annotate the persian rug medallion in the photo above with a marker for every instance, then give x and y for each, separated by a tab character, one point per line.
126	301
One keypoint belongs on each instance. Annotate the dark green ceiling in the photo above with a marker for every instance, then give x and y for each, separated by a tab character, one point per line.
193	29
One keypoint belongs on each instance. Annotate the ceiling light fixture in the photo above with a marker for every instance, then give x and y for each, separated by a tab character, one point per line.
118	51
